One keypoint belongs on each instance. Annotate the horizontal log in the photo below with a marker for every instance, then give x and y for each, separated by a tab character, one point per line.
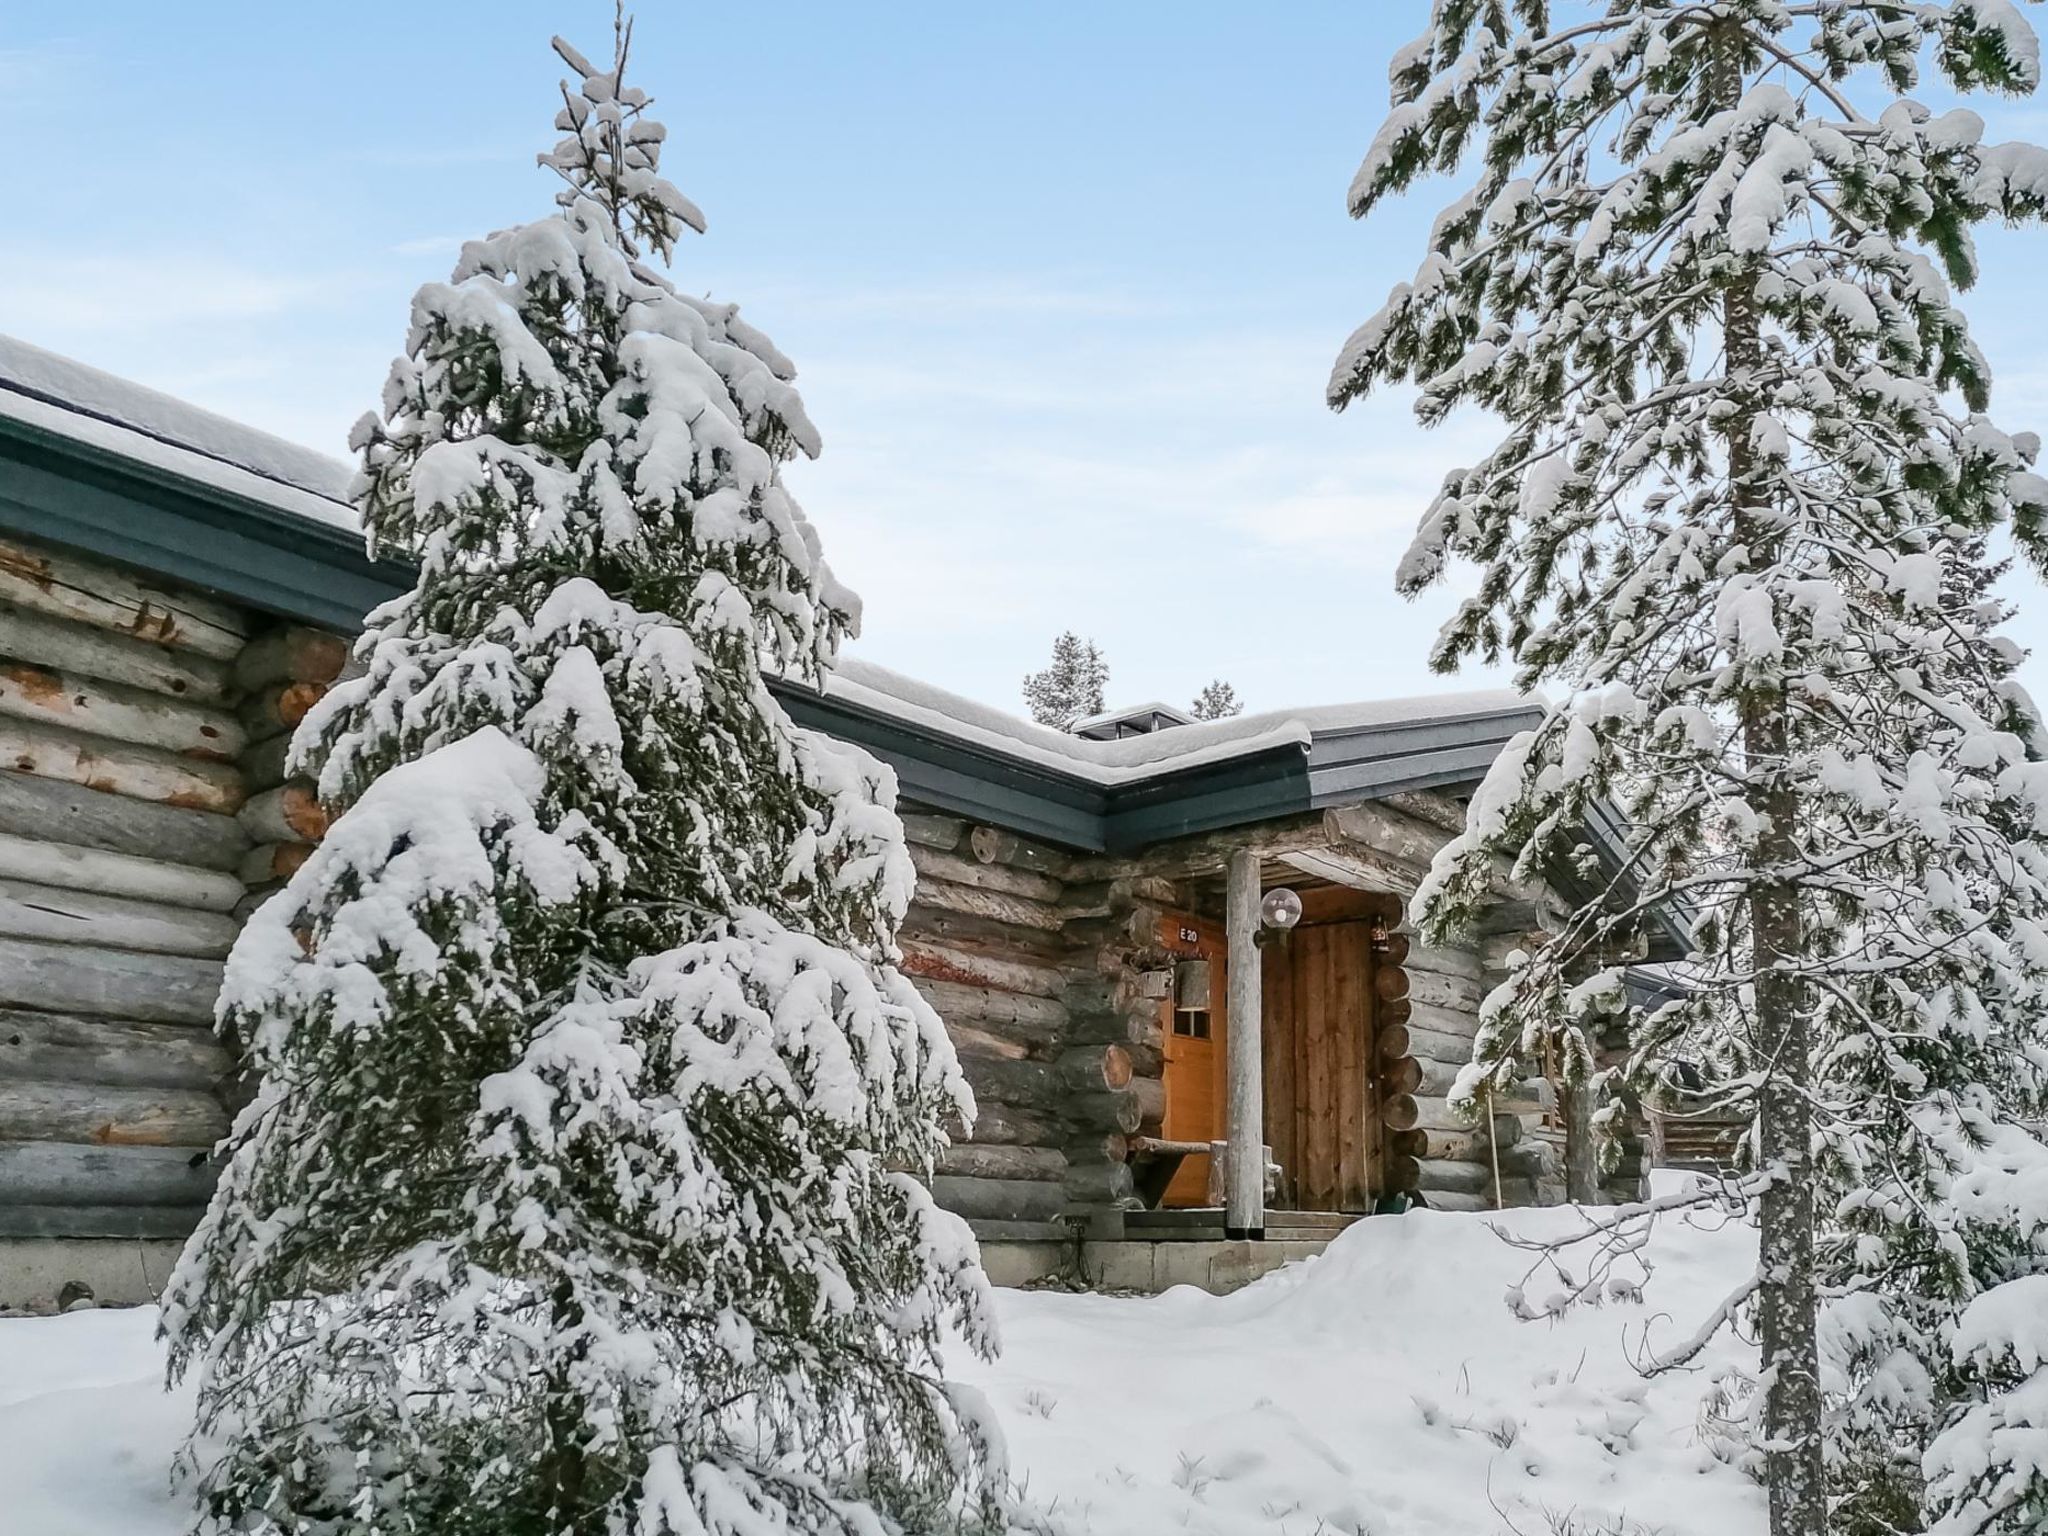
1011	1125
992	1040
268	863
278	709
1038	1016
1452	1200
1000	1199
43	696
1118	1111
1398	1112
1092	1069
73	978
933	864
1457	1146
1100	1184
134	1223
1206	853
981	935
1432	1174
987	1231
1445	962
60	1173
116	874
1391	950
992	845
1435	1078
1429	805
1390	982
291	653
1389	831
145	773
1400	1074
1442	1027
133	1053
64	586
976	1160
1459	994
263	764
925	959
997	906
1030	1084
290	813
30	911
111	657
34	1110
53	811
932	831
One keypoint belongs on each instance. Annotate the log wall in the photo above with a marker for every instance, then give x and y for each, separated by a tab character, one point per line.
137	807
145	809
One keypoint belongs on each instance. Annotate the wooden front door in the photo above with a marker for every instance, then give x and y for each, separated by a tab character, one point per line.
1322	1120
1194	1057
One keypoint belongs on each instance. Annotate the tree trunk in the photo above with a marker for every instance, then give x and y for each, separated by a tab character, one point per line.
1787	1304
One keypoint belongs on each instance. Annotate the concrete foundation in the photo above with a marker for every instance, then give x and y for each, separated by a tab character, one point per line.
1148	1267
120	1273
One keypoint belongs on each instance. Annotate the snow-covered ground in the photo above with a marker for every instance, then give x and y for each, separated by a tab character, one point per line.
1384	1388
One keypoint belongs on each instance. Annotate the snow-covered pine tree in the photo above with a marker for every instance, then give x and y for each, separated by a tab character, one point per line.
1217	701
1738	518
579	1192
1070	688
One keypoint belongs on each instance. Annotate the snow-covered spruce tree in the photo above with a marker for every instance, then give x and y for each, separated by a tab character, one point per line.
578	1194
1070	687
1217	701
1739	519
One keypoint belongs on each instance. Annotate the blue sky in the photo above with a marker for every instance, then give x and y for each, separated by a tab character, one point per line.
1062	282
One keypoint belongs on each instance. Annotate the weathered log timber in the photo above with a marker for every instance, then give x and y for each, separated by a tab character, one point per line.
992	845
111	657
1457	1146
70	813
290	813
941	832
61	585
111	922
931	864
990	905
96	871
110	983
1000	1199
981	1160
927	960
277	709
1038	1018
970	931
290	653
36	1110
268	863
146	773
1012	1125
133	1053
66	1173
42	696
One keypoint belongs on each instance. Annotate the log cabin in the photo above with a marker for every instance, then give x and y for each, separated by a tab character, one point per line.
1174	1082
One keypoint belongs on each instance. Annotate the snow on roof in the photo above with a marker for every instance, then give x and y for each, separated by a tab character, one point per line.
127	420
1108	763
1132	712
55	394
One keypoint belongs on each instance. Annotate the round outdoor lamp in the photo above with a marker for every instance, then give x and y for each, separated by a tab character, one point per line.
1278	912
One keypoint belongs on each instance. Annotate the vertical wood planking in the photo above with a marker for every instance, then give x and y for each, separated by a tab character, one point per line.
1280	1059
1347	943
1321	1160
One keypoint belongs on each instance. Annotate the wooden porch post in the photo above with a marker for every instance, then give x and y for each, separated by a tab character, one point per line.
1244	1212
